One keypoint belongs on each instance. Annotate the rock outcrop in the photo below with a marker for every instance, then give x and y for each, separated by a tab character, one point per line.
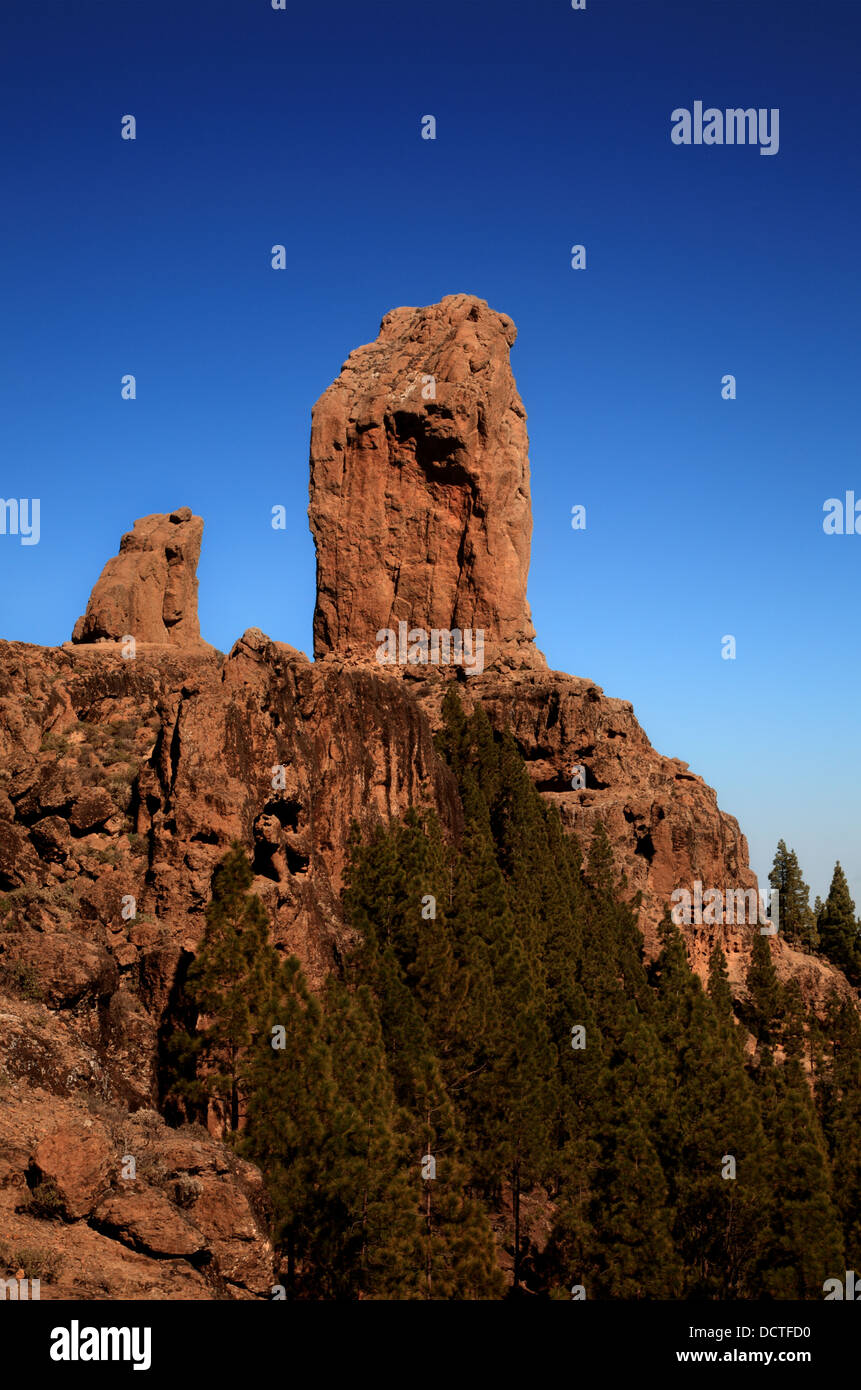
420	505
129	779
98	1203
149	590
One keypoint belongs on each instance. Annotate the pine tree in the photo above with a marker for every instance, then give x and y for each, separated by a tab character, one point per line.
710	1130
763	1009
719	991
228	989
505	894
291	1119
408	963
797	922
794	1019
839	1089
838	930
804	1241
374	1245
452	740
610	931
600	871
460	1256
632	1209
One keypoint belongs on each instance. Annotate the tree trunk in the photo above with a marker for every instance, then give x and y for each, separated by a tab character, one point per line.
515	1199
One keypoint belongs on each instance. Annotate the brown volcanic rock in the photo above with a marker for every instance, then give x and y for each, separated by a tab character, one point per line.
77	1160
147	1221
83	992
191	1223
68	968
208	735
348	744
203	736
420	508
149	590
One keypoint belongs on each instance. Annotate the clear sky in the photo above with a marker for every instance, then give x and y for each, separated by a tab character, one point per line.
303	127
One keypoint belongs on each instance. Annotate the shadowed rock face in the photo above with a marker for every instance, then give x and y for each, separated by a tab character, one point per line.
420	505
133	778
149	590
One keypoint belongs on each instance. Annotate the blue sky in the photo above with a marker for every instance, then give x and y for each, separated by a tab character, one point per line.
256	127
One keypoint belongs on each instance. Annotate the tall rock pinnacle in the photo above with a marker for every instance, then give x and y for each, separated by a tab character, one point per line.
420	505
149	590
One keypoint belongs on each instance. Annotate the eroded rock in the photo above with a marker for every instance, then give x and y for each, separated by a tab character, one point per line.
149	590
420	505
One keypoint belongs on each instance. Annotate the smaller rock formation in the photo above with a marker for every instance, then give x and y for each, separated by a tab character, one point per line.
149	590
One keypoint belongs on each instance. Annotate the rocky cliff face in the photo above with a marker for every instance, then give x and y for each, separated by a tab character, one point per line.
123	781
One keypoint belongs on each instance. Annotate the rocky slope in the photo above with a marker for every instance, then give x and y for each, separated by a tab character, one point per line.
124	778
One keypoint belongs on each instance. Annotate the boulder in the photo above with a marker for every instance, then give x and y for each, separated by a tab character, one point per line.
77	1159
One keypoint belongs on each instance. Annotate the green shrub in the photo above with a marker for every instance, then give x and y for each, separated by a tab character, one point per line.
123	777
22	980
108	856
36	1264
54	743
186	1190
122	729
45	1202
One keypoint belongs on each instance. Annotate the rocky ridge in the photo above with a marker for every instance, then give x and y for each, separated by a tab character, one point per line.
123	780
